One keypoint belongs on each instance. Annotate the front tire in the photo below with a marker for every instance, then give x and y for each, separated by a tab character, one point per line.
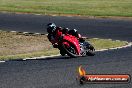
70	51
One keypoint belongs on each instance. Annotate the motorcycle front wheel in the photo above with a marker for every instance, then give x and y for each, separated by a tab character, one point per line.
70	51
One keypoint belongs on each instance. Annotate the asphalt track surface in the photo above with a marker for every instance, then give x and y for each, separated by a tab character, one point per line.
61	72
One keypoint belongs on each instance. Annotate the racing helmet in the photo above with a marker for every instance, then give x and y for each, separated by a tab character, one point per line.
51	27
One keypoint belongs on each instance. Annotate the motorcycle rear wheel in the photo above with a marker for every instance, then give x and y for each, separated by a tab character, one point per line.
91	51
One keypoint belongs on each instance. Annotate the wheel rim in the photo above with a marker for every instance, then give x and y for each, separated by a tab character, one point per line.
72	50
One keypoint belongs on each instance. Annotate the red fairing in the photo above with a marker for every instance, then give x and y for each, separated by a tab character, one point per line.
58	33
66	43
74	41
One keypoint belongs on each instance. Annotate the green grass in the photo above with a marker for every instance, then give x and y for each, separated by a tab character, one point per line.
18	46
71	7
30	55
106	43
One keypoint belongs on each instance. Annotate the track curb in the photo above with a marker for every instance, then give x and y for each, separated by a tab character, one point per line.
27	33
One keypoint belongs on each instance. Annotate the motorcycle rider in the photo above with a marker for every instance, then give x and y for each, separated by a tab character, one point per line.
55	32
52	30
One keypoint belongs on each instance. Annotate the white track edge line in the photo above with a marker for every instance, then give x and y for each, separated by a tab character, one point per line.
2	61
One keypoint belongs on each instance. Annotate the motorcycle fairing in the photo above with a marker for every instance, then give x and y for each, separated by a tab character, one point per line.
73	40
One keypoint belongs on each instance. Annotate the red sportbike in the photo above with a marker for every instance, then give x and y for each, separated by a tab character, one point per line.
73	47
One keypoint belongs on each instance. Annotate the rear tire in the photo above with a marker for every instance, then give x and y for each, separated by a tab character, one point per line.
91	51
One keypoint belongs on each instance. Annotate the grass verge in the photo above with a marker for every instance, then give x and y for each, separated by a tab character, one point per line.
72	7
18	46
106	43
